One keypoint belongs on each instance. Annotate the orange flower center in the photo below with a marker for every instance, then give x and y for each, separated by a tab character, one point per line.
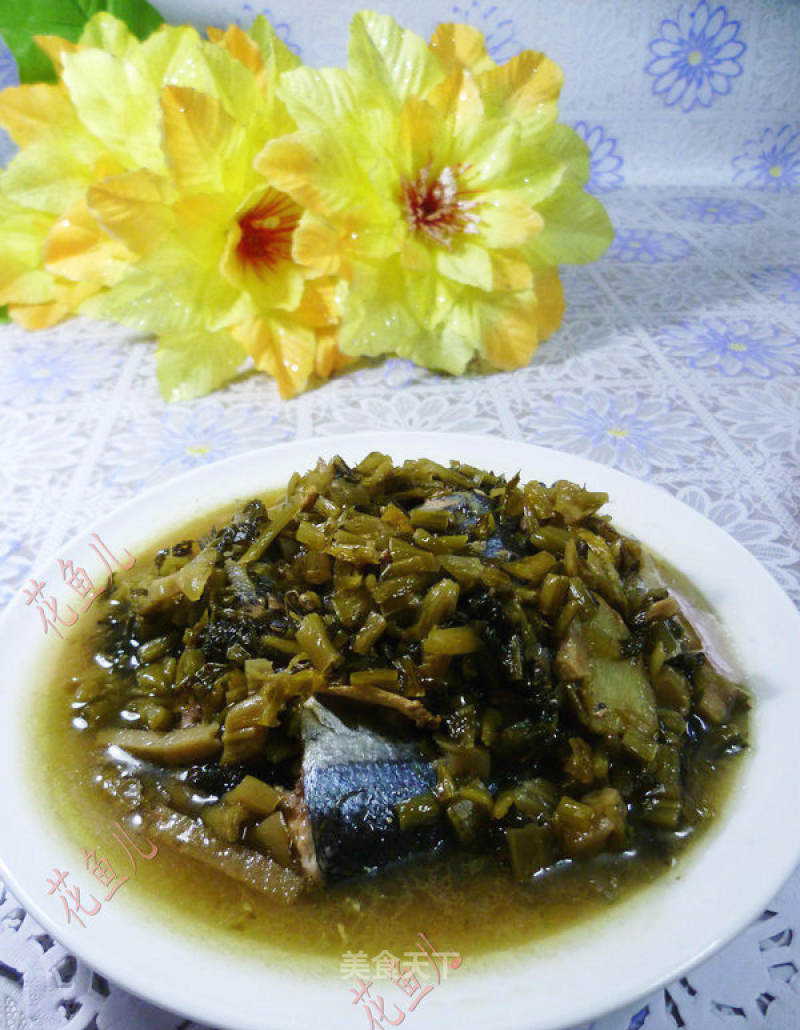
266	232
438	207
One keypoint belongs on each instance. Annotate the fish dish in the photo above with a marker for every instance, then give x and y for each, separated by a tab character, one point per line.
389	666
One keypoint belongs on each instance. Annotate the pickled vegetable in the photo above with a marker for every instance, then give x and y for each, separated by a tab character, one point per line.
499	644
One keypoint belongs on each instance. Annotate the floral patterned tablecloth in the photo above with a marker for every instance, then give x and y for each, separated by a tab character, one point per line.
678	362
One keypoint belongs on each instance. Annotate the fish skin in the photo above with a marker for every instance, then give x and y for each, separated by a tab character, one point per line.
353	780
467	507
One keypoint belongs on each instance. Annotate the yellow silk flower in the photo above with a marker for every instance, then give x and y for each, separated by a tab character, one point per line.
100	119
215	277
437	184
137	172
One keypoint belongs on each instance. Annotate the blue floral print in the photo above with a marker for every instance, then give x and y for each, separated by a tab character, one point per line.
501	41
712	210
282	28
49	375
8	66
605	172
778	282
770	163
636	434
9	76
192	436
696	57
647	246
186	436
734	347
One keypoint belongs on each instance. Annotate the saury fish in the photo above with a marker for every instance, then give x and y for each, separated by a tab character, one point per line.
353	779
467	507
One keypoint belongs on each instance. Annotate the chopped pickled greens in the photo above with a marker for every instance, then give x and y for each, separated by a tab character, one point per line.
558	700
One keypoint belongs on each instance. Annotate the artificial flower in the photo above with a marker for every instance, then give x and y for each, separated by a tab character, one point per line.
212	236
437	184
250	212
101	119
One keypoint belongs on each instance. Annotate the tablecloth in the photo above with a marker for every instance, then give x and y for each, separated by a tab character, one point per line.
678	362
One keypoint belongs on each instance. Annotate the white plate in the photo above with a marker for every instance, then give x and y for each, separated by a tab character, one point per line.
573	977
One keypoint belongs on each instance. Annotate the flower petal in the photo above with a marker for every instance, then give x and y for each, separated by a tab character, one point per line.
275	54
53	173
198	139
458	99
328	359
510	272
415	256
108	33
117	105
550	301
321	306
243	49
68	300
134	207
461	46
77	248
29	113
467	263
388	312
172	290
388	61
576	229
320	246
55	48
533	173
321	171
509	330
283	349
318	98
566	145
488	151
526	88
506	219
238	90
192	364
172	57
20	285
280	286
421	135
512	330
22	235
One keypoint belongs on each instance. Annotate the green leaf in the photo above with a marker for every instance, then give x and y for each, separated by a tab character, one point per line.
192	364
20	22
4	315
